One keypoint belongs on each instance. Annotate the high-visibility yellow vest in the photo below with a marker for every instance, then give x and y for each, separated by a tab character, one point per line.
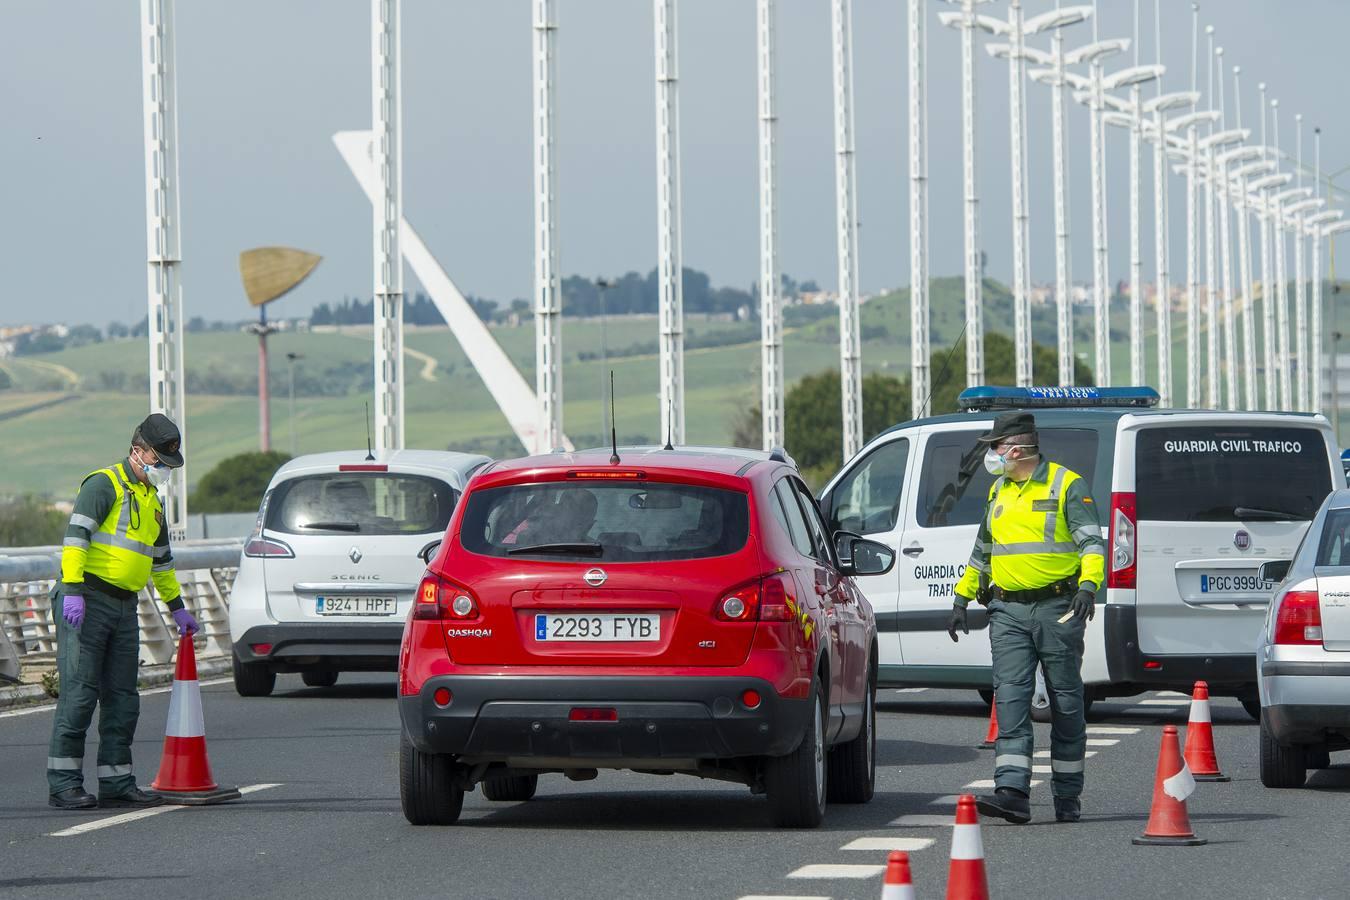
122	549
1031	544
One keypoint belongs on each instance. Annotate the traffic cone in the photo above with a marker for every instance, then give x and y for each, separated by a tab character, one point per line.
992	734
184	771
965	878
1168	823
1199	752
898	884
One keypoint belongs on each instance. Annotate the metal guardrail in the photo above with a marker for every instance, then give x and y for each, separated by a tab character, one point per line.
206	571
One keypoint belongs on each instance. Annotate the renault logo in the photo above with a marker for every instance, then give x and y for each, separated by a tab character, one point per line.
595	577
354	555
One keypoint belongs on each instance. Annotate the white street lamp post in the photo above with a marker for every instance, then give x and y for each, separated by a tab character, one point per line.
1270	313
387	103
669	237
547	293
770	284
920	377
846	224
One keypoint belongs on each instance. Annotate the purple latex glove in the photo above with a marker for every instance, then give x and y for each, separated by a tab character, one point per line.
72	609
186	624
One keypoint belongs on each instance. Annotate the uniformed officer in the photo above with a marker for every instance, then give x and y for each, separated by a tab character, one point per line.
1038	561
115	543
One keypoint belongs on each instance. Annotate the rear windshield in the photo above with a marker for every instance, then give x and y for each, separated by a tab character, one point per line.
360	503
613	522
1230	474
1334	549
949	497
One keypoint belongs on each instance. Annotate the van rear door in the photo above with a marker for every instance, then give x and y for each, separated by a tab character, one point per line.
1216	497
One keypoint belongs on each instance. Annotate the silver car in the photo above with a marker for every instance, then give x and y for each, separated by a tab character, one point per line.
1304	651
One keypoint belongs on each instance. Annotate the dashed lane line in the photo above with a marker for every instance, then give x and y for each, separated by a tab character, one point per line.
1164	701
1045	754
1102	742
139	814
780	897
1111	729
837	870
924	821
909	690
48	707
909	845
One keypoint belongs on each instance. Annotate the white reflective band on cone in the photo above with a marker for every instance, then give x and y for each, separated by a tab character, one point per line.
185	711
897	892
1066	765
966	843
1012	759
65	762
114	771
1181	785
1199	711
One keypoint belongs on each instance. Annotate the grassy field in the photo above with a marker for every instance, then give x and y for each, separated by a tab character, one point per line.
449	407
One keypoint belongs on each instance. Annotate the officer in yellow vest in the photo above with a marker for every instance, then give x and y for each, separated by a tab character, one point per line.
115	543
1038	561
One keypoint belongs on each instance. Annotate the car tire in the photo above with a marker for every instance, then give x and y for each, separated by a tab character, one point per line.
852	774
1253	708
1282	765
252	679
510	787
427	787
797	784
319	679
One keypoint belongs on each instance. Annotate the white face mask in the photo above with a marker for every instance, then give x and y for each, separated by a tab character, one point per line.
156	472
995	464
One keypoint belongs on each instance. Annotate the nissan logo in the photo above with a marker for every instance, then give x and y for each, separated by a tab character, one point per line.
595	577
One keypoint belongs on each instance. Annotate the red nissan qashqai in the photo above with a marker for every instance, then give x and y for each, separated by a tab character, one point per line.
656	610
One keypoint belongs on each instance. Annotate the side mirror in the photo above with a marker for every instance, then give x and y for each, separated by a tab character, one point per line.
430	550
843	544
1275	570
867	558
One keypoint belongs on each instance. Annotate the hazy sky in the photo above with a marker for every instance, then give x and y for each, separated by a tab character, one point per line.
263	84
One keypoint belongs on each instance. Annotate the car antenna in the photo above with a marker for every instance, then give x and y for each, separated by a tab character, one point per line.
932	386
613	428
370	450
670	430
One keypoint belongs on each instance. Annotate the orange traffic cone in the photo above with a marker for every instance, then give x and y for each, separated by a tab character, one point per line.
1168	823
1199	752
898	884
992	734
965	878
184	771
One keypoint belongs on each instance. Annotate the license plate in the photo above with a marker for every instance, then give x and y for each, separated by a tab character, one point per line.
597	627
1235	583
355	606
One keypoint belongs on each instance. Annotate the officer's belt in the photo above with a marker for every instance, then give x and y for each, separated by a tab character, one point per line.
1035	595
112	590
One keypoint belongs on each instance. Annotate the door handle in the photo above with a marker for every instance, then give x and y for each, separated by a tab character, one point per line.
912	550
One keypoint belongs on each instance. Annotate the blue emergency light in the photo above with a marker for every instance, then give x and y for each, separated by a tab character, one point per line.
985	397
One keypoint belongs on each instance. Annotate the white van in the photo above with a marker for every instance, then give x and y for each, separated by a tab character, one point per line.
1192	502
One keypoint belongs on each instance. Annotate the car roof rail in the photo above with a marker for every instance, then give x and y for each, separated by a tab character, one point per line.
778	454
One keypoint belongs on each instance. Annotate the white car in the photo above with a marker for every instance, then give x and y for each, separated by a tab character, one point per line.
329	573
1191	502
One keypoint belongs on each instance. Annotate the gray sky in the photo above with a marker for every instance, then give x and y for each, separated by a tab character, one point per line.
263	84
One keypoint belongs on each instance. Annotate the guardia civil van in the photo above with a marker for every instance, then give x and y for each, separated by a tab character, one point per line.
1191	502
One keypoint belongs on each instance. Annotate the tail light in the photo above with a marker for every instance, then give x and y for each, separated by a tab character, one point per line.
440	598
1299	620
1122	567
764	600
263	547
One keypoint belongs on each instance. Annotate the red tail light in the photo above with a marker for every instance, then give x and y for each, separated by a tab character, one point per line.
764	599
1122	552
593	714
1299	620
440	598
261	547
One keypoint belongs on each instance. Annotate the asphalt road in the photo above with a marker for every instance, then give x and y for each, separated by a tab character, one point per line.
327	823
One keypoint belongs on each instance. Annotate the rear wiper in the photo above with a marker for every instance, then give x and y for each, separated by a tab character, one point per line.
333	526
1248	512
579	548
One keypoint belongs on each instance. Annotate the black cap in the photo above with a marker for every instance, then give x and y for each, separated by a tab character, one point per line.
1009	425
163	437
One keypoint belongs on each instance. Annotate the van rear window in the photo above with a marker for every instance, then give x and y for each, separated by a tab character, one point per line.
1212	473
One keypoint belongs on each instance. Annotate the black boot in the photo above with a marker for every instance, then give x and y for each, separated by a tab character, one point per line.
72	798
132	798
1006	803
1068	809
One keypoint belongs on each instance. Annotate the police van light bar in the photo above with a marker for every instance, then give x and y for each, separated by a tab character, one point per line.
978	399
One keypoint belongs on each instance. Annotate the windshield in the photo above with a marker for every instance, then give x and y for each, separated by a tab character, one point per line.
1220	473
360	503
613	522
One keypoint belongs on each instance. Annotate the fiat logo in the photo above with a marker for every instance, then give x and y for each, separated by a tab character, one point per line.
354	555
1242	540
595	577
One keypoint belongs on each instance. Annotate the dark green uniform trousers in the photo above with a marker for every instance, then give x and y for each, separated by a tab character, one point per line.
97	663
1021	635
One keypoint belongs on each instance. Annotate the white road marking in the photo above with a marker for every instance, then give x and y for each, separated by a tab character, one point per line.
1172	694
910	690
947	800
1164	701
48	707
1111	729
837	870
1045	754
987	784
139	814
779	897
909	845
922	821
1102	742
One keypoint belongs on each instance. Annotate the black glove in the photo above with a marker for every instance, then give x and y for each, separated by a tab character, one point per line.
1083	606
958	620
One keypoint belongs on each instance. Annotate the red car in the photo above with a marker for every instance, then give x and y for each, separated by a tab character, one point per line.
656	610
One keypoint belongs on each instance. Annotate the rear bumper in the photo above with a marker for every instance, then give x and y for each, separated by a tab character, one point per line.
518	718
1229	674
1304	701
357	646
